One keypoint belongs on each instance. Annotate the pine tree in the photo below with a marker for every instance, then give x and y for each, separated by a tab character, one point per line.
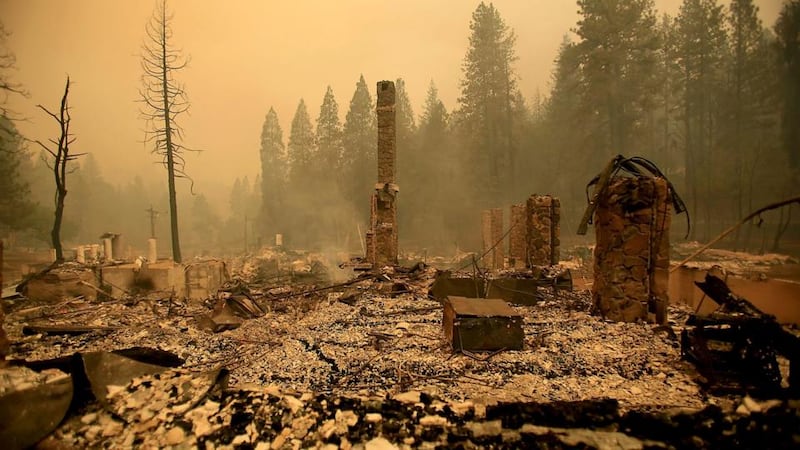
415	171
433	120
668	96
747	123
301	148
408	157
701	48
303	179
618	55
205	223
236	199
486	116
330	215
787	31
437	201
273	175
566	124
359	159
404	118
7	84
90	203
329	133
14	190
253	203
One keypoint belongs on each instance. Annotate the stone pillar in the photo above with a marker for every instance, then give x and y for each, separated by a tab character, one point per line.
631	256
108	249
152	250
80	254
517	246
543	230
118	247
93	252
492	233
384	219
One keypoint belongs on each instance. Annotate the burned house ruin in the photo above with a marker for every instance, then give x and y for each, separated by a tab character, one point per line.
277	349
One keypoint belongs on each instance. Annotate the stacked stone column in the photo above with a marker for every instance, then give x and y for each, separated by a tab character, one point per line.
384	217
492	233
518	237
631	258
543	230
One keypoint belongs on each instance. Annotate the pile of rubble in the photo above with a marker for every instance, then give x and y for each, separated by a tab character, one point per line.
366	361
164	411
374	343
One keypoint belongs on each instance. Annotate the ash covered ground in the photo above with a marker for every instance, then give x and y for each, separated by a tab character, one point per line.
353	365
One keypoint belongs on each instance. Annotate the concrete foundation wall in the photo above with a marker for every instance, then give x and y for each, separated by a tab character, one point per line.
196	281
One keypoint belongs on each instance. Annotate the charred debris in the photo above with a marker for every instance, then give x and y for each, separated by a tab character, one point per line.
539	347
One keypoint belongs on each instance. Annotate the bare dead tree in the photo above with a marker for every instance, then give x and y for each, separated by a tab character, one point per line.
59	150
164	99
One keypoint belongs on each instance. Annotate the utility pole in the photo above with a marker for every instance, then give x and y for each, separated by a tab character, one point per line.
153	214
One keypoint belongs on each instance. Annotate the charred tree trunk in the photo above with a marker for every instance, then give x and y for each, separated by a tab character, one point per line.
173	202
61	157
164	99
55	233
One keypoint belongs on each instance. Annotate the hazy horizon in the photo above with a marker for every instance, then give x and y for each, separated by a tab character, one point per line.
250	56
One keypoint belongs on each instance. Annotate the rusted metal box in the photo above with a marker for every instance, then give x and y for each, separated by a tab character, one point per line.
477	324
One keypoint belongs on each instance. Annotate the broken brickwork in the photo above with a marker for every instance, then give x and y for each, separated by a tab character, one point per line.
631	257
543	242
517	238
383	221
492	233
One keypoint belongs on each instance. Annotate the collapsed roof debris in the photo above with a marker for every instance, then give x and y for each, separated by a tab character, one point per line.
737	347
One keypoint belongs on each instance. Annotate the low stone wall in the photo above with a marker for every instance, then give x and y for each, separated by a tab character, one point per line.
631	257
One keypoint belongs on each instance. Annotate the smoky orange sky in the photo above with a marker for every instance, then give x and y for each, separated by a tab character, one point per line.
249	55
